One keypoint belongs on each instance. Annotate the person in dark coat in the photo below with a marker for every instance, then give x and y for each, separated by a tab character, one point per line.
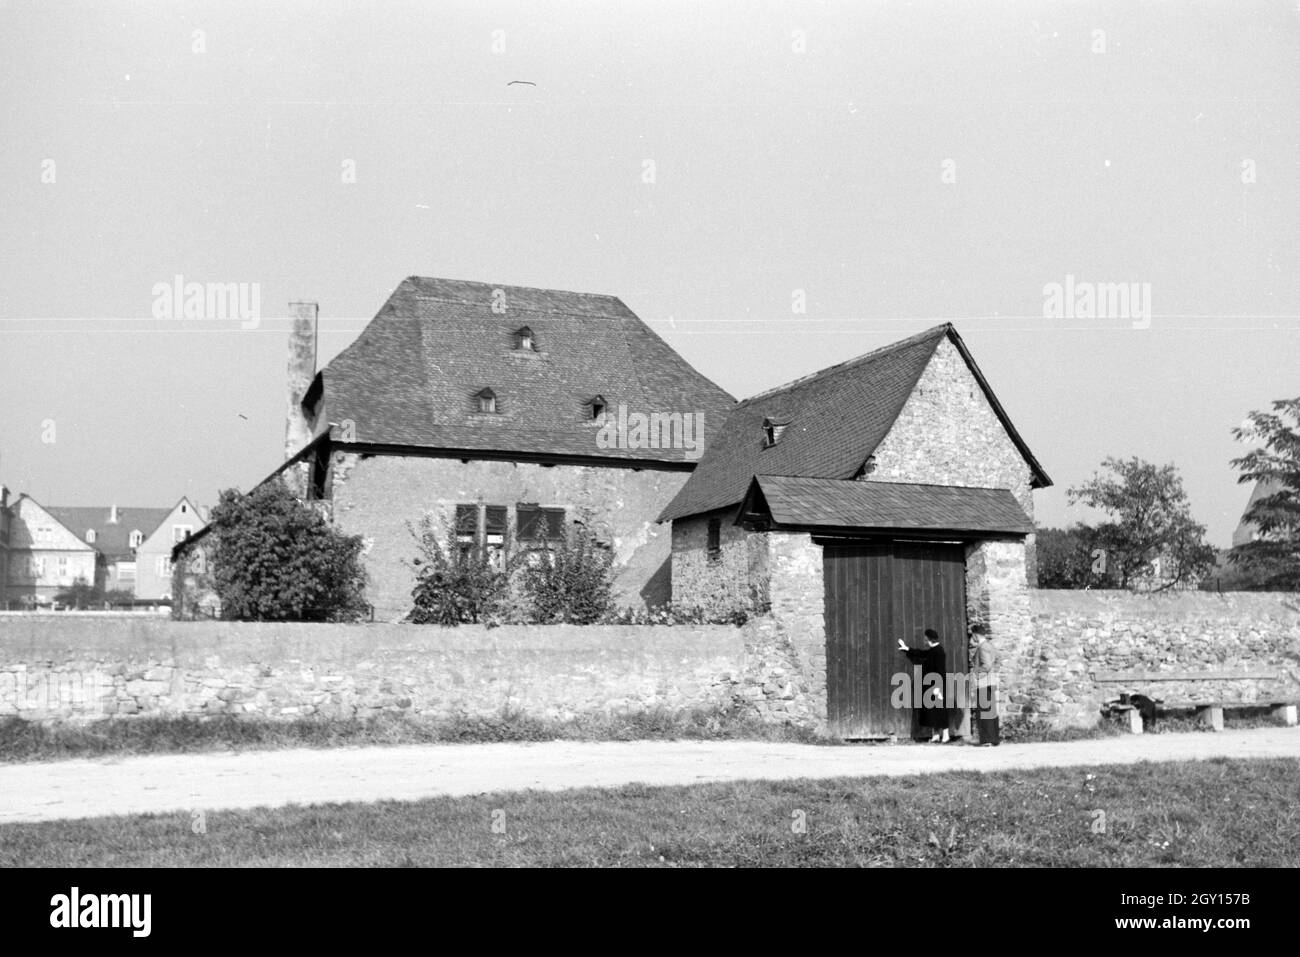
933	661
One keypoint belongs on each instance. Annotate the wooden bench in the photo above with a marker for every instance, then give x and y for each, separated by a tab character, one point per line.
1209	713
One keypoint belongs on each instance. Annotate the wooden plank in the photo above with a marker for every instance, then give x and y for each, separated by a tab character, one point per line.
1136	676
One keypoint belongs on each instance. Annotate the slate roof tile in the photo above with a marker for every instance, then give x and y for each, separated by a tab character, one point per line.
836	418
833	503
410	377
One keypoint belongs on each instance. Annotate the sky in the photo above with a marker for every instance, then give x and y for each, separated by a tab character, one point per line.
889	166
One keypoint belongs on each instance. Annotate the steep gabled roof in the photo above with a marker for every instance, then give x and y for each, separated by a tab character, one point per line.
1246	529
837	417
112	540
886	506
409	378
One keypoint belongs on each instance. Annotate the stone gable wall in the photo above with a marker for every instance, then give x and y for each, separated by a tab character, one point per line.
948	434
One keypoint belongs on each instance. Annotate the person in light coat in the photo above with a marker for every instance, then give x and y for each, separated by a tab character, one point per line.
986	686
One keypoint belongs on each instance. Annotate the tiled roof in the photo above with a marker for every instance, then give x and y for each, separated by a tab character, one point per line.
111	539
1245	530
837	417
411	376
834	503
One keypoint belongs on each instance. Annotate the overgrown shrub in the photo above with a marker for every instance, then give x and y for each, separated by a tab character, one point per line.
455	583
570	580
277	559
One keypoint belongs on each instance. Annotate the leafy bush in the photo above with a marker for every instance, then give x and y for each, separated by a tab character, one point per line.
570	581
82	594
455	585
676	614
277	559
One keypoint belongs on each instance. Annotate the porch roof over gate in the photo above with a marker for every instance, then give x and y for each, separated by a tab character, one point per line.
845	504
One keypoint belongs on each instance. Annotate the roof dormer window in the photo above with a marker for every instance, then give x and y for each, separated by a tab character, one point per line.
772	429
136	539
596	407
524	340
486	401
90	536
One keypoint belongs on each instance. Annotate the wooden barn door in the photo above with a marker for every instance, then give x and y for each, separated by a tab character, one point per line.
876	594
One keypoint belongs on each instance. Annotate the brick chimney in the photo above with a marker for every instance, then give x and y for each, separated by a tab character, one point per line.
112	515
302	369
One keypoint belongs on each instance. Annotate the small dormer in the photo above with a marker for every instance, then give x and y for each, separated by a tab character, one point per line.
595	408
525	341
136	539
90	536
485	400
772	429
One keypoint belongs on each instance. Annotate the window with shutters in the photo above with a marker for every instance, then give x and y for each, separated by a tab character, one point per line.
494	535
537	525
466	527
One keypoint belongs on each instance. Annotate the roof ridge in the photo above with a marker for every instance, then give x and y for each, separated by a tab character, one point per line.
932	332
120	508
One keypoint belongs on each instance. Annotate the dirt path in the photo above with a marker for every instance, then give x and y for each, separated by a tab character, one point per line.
92	788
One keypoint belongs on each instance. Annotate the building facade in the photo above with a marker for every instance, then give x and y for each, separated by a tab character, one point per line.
45	557
862	505
506	413
153	557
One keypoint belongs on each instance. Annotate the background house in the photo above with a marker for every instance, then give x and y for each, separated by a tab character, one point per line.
47	549
153	558
5	519
115	534
45	556
863	504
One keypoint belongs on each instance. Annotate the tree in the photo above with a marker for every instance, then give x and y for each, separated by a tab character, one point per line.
1273	559
276	559
1150	521
571	580
455	582
1070	558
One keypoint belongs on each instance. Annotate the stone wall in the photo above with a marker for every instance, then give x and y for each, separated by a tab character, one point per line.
1048	672
948	434
83	669
736	578
773	668
798	599
375	496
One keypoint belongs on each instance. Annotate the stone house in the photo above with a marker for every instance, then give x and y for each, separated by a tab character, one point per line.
504	412
863	504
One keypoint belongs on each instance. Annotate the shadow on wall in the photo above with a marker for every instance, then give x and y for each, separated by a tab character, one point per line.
659	589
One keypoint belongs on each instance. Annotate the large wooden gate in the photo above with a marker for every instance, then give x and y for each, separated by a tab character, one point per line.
877	593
